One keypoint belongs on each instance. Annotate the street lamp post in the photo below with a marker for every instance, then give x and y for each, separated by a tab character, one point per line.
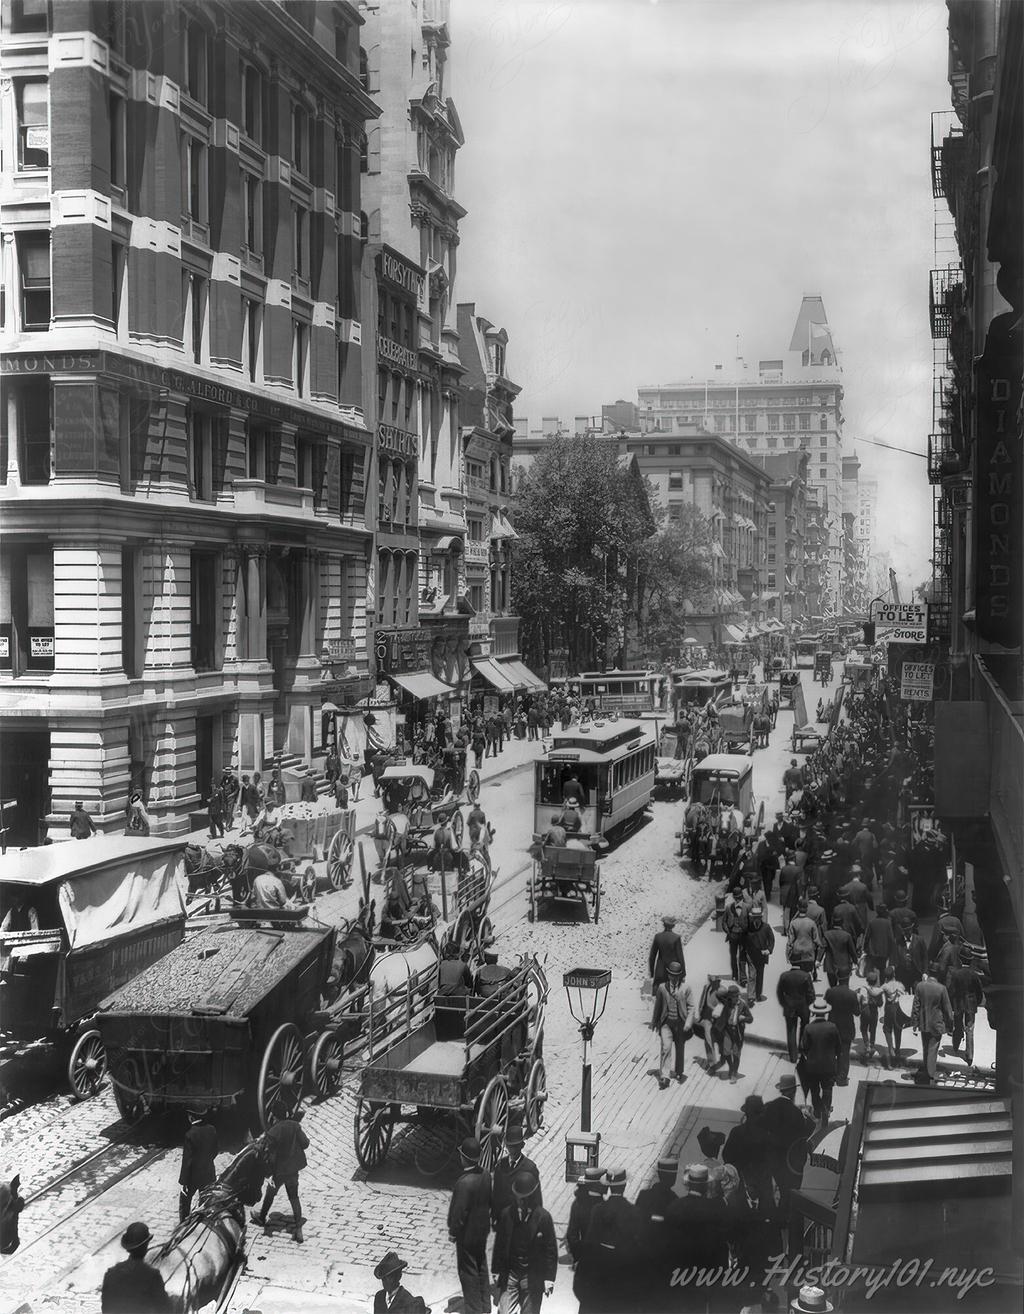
587	991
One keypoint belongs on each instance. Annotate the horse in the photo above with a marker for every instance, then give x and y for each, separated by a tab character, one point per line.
11	1205
761	725
354	953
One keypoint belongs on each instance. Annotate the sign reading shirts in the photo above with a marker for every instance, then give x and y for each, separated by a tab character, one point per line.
900	622
917	680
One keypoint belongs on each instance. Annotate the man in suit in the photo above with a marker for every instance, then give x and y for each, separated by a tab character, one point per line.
656	1248
758	943
198	1155
844	914
840	950
605	1274
511	1162
820	1047
673	1021
590	1190
803	948
394	1299
902	917
469	1225
525	1259
285	1144
666	948
844	1004
966	995
747	1147
133	1286
932	1016
787	1129
699	1228
857	893
795	993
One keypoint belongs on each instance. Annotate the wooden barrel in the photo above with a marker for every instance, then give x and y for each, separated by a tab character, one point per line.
490	978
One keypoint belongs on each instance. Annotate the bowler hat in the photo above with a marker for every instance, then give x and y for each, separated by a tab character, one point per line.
811	1300
524	1184
901	896
675	969
514	1135
470	1149
752	1106
136	1236
389	1264
786	1082
669	921
594	1178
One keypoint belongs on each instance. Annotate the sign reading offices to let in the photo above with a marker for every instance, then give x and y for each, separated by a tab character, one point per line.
917	681
900	622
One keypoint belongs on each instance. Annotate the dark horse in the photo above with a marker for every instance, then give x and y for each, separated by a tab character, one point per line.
11	1205
354	953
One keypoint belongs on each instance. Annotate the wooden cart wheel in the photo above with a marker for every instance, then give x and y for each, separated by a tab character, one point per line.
374	1127
132	1108
279	1092
597	895
492	1121
759	825
325	1065
536	1095
458	827
339	860
473	786
87	1065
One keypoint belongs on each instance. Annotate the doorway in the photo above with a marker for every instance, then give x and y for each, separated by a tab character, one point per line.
24	784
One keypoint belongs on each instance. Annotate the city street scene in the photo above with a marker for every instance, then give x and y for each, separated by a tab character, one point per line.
511	595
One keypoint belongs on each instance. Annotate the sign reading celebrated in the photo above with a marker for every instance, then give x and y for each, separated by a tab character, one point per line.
917	680
900	622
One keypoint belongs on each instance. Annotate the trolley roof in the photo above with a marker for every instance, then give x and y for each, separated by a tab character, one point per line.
708	676
71	858
222	970
599	741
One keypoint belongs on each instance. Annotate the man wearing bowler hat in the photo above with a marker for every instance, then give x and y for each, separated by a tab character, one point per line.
787	1128
469	1225
673	1021
666	948
394	1299
511	1162
525	1259
133	1286
656	1248
605	1276
590	1189
198	1155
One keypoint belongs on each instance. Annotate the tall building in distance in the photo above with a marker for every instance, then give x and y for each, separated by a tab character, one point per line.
793	402
185	459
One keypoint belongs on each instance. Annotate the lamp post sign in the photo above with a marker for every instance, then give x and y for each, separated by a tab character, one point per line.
587	992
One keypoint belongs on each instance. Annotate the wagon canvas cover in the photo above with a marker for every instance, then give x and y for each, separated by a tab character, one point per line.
113	901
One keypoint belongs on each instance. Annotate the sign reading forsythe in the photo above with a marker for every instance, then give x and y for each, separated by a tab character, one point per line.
900	622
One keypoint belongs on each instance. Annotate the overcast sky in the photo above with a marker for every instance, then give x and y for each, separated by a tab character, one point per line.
646	180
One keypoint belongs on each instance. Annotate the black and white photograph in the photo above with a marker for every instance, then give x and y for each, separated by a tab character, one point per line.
511	674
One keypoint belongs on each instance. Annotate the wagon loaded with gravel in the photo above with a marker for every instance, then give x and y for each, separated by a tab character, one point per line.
225	1020
469	1061
77	920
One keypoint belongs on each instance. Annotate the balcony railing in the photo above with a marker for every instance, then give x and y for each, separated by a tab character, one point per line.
946	296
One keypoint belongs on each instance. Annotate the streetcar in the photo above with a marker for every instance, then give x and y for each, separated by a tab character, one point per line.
804	651
697	688
613	761
627	693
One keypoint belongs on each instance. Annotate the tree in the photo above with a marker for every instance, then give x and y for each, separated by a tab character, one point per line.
676	575
582	520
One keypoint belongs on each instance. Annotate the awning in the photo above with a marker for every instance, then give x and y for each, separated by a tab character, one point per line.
734	633
421	684
444	544
524	678
500	527
493	674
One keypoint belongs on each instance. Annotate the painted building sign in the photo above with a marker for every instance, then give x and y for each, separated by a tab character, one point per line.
401	272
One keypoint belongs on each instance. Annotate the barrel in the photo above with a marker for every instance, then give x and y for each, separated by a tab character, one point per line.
490	978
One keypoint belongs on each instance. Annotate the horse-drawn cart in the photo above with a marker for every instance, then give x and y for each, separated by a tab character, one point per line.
673	763
222	1020
488	1061
423	796
735	723
79	919
565	875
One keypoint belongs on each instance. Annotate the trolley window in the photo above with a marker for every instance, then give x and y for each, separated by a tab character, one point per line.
553	777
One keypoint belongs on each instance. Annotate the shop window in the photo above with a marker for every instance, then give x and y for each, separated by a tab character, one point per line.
205	626
26	609
139	414
131	612
34	273
31	410
32	106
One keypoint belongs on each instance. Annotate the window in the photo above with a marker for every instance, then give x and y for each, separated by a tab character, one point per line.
252	316
195	298
364	153
675	479
34	271
138	438
118	146
789	423
343	163
252	103
252	213
300	242
30	414
750	423
823	473
26	608
204	610
300	340
195	180
118	274
207	450
805	421
194	57
771	530
30	16
131	611
32	105
823	422
300	139
773	424
771	579
823	440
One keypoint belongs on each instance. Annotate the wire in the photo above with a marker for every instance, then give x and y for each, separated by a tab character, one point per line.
877	442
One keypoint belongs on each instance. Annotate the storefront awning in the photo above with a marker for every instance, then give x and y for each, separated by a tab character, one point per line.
734	633
493	674
514	669
421	684
500	527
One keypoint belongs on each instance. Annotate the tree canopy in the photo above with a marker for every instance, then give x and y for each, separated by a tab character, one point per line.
591	567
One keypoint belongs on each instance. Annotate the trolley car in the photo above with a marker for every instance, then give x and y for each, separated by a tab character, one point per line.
627	693
613	763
